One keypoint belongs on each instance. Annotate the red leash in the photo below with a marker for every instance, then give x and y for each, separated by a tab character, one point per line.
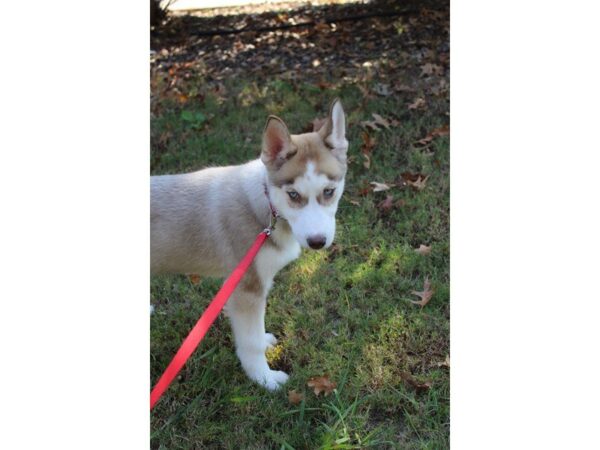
206	320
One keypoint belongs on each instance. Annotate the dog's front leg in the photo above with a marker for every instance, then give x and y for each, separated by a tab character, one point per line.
246	311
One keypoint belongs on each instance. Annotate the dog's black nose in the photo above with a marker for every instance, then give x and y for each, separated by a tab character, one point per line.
316	242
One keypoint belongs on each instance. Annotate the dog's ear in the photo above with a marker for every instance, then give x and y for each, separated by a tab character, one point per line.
277	144
333	132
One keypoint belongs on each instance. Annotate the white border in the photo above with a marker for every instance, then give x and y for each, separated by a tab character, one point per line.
524	224
74	228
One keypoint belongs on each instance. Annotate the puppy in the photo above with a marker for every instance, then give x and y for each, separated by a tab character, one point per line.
204	222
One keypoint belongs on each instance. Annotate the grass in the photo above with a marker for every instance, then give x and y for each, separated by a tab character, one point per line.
344	311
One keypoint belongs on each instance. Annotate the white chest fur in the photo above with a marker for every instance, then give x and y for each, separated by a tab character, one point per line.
271	260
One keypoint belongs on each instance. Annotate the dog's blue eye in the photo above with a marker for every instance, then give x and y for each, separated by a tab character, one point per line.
328	192
293	195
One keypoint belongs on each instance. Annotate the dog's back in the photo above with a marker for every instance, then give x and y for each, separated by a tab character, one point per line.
198	220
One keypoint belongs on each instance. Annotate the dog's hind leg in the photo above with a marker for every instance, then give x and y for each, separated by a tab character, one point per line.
246	311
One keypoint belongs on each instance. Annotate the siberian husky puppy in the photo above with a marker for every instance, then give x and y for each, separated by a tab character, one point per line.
204	222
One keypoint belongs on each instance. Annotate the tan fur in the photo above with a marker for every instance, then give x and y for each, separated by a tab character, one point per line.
308	147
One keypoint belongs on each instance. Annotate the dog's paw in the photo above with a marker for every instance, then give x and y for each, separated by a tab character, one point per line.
273	379
270	340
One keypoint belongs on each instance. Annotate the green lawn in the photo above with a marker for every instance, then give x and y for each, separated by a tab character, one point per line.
344	311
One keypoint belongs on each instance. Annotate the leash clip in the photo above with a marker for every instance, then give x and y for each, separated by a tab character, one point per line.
272	222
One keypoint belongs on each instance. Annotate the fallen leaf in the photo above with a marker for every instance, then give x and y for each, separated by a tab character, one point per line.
363	192
419	103
381	121
445	363
322	26
379	187
364	91
194	278
442	131
335	249
354	202
419	184
324	85
426	140
295	397
387	204
367	161
431	69
367	148
412	382
423	250
403	88
370	124
425	295
416	180
322	384
441	88
164	137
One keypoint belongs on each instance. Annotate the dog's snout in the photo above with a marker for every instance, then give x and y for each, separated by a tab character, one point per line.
316	242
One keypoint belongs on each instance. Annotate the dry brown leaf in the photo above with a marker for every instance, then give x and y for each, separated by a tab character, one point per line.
367	161
387	204
164	137
194	278
445	363
416	180
419	103
295	397
379	187
363	192
419	184
381	121
367	148
370	124
426	140
364	91
322	26
425	295
322	384
431	69
442	131
324	85
412	382
403	88
423	250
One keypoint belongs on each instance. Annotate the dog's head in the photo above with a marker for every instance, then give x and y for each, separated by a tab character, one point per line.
306	175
